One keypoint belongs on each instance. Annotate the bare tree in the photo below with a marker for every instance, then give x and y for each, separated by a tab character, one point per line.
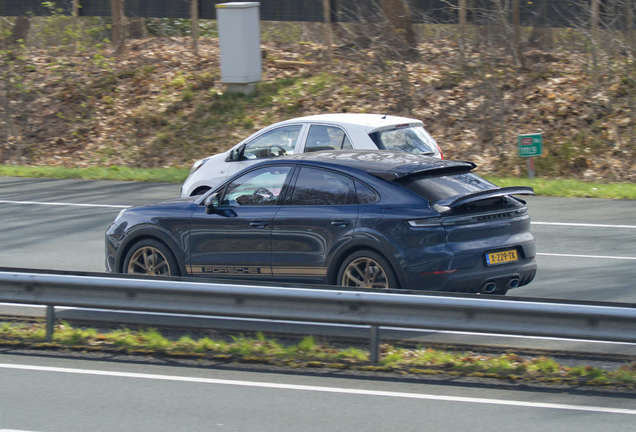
397	12
119	27
20	30
136	28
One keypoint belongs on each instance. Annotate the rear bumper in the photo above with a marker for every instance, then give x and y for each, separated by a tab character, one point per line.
474	280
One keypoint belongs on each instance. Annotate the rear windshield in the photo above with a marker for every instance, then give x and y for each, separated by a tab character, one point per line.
437	188
413	139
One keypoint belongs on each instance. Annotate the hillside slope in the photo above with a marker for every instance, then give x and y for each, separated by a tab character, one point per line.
159	105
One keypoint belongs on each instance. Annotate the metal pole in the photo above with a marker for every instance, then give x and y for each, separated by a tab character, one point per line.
50	322
374	349
530	168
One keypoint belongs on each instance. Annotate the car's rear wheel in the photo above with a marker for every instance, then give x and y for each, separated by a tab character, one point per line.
151	257
367	269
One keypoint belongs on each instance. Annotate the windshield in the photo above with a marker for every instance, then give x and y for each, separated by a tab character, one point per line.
412	139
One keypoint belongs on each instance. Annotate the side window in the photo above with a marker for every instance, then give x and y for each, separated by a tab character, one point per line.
346	144
259	187
278	142
365	194
326	138
319	187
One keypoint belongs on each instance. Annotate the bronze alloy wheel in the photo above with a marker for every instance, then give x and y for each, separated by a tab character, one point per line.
149	260
364	272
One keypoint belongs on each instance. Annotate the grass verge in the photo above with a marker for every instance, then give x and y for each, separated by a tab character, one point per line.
542	187
160	175
571	188
308	353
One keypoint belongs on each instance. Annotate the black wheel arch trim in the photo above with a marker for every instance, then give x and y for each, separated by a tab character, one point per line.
377	245
149	232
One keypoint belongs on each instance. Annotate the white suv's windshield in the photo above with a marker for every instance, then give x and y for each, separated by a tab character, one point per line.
413	139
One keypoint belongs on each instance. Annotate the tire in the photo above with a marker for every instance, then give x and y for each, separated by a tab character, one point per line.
151	257
200	191
367	269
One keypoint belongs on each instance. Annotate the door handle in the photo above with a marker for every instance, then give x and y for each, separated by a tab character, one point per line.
258	224
340	223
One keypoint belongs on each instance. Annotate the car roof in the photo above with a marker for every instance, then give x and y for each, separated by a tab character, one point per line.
369	121
388	165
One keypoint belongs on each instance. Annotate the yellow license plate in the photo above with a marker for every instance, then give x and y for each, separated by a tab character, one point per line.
501	257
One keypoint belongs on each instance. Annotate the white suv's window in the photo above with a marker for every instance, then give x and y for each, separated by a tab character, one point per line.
278	142
408	139
326	138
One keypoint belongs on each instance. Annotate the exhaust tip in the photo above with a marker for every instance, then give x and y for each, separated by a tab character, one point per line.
489	287
513	283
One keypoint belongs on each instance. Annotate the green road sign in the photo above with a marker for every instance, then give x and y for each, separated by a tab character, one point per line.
530	145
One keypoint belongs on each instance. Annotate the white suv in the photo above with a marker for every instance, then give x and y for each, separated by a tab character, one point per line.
308	134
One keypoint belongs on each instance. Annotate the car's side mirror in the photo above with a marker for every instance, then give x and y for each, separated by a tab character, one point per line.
212	203
235	155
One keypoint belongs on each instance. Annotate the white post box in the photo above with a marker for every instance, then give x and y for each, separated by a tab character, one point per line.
240	44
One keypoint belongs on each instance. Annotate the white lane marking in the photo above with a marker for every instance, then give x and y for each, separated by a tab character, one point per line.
584	225
337	390
587	256
62	204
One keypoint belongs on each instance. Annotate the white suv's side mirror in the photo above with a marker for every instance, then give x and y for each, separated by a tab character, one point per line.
235	155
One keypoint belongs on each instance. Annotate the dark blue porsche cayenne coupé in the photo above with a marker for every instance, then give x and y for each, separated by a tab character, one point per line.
371	219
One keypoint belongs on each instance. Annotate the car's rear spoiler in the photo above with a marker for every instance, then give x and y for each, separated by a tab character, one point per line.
458	200
441	168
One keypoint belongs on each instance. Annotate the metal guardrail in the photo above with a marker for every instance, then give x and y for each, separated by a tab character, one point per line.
598	321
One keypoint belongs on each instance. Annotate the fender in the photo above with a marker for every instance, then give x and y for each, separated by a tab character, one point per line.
153	232
368	240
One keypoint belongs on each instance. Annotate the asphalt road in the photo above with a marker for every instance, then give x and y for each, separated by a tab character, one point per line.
45	394
586	250
589	255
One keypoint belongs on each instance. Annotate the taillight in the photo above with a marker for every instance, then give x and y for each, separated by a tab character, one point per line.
441	155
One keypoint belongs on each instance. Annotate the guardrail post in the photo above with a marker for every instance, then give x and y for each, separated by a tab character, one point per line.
50	322
374	349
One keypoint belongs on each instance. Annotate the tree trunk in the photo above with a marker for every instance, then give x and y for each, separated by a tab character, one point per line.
629	24
119	27
20	30
194	16
398	14
462	30
517	23
137	28
328	29
594	20
542	37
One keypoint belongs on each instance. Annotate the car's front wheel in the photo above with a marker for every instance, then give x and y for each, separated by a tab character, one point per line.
151	257
200	190
367	269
